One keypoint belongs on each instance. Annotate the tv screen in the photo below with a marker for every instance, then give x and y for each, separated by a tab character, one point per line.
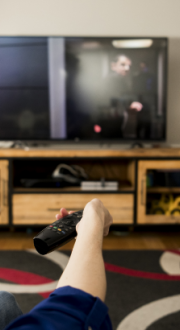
83	88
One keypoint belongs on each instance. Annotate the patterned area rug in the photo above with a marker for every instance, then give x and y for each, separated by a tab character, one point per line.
143	286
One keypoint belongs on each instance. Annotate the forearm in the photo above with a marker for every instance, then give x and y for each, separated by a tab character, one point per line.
85	269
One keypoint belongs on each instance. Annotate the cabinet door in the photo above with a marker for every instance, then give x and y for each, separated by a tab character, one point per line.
163	199
41	208
4	174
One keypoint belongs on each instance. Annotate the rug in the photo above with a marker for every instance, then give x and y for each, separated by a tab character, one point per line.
143	289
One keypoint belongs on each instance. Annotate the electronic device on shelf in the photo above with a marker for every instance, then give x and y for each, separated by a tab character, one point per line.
47	183
71	174
94	89
102	185
58	233
63	175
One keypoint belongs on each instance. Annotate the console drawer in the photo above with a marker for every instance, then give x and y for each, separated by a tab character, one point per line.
42	208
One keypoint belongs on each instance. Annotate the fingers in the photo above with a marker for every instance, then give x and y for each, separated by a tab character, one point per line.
63	213
77	226
106	232
58	216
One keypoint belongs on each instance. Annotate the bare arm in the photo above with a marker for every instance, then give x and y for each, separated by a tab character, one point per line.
85	269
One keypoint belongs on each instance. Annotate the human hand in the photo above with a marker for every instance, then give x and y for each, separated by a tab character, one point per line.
136	106
94	209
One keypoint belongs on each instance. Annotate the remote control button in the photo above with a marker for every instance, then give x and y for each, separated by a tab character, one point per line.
59	229
63	232
59	232
69	222
66	229
55	227
49	228
69	217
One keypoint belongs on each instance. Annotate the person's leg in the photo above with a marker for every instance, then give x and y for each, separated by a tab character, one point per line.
9	309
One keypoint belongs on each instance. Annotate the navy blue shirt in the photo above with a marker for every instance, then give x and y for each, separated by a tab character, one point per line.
66	308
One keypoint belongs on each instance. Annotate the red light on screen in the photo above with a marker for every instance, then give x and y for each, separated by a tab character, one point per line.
97	129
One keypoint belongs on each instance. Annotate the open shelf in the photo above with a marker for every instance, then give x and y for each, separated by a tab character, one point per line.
119	170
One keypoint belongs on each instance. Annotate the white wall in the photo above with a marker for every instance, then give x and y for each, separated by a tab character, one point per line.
100	18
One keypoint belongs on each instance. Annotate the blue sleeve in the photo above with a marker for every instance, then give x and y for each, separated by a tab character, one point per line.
66	308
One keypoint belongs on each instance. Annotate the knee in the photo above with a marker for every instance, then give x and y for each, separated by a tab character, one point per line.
7	299
6	294
9	309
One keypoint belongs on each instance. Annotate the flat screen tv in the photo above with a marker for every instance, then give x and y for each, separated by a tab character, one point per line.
83	88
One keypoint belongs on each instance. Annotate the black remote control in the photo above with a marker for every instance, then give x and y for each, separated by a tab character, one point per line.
58	233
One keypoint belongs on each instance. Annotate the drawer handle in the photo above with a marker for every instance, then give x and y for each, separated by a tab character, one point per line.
143	202
5	197
58	210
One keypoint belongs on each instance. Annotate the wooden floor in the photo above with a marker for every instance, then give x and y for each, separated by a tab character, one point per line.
114	241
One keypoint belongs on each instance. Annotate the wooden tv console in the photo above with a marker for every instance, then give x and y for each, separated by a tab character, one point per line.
37	206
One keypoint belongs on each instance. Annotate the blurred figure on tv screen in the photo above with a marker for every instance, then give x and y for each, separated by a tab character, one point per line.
122	65
130	116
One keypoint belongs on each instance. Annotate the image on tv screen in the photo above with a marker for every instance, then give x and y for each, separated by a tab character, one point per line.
68	88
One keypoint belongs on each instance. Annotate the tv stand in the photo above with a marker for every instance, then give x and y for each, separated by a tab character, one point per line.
130	205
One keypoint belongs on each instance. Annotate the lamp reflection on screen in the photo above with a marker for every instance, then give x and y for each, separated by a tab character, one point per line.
132	43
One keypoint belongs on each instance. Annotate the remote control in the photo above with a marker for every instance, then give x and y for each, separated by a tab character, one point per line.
58	233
